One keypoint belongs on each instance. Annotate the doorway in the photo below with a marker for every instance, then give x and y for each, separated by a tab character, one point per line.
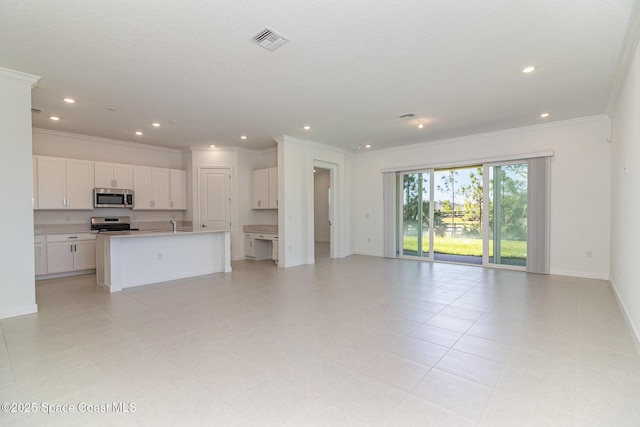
322	212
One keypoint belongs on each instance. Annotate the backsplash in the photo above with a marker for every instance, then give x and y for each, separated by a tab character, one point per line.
83	228
64	221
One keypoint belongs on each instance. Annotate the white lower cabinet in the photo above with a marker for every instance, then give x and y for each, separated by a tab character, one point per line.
70	252
40	255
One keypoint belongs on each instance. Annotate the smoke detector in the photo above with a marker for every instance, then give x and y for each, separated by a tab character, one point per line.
269	39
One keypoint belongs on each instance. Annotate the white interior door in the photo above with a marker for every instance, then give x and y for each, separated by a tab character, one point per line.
215	198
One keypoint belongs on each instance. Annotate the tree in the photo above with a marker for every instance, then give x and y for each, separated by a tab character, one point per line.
513	199
473	194
449	186
414	200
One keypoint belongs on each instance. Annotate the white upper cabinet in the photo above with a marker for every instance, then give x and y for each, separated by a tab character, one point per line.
260	189
178	189
113	175
64	183
151	187
160	188
265	189
60	183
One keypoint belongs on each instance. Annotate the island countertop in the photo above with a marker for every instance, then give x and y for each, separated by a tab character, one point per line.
138	233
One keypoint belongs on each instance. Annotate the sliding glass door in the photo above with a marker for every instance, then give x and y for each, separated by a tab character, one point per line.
473	215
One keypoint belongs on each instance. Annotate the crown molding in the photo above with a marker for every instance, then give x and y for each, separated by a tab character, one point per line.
308	142
18	75
479	136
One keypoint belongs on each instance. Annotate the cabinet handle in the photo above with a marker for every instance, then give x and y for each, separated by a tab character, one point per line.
172	203
70	248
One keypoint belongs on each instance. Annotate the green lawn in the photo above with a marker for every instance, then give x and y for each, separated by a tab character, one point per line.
472	247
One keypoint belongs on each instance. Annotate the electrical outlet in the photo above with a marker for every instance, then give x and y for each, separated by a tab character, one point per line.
589	254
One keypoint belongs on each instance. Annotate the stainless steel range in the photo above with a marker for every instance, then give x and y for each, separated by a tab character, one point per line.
114	223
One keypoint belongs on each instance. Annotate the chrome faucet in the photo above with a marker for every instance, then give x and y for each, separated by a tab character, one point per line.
175	225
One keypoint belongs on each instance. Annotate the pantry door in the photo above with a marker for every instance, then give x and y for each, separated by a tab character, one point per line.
215	198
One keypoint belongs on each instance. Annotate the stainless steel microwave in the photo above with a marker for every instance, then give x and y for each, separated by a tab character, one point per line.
112	198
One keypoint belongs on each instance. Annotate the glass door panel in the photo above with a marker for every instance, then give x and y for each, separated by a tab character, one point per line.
458	215
416	193
508	214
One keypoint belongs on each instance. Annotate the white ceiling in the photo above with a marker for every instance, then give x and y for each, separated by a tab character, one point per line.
350	69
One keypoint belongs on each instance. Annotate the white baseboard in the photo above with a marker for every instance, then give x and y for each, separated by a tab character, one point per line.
634	330
66	274
368	254
582	274
18	311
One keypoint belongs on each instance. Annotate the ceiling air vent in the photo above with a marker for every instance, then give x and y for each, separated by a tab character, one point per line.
36	110
269	39
407	116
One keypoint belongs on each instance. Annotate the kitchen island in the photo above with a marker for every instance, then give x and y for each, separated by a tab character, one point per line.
133	258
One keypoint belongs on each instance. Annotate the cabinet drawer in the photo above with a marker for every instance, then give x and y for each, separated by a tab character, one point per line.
70	237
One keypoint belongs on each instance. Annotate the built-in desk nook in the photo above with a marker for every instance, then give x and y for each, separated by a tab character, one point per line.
261	242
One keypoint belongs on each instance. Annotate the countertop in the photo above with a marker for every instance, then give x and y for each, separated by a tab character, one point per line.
260	228
147	233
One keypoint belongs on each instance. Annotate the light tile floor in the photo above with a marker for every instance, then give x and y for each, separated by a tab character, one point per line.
359	341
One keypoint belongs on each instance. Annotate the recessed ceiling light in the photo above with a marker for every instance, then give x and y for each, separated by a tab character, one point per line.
544	115
420	126
314	171
307	127
212	146
243	137
54	118
529	69
69	100
138	133
367	146
156	124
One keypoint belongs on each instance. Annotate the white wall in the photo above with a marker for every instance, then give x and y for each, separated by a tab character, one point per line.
83	147
296	159
17	285
580	186
625	191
